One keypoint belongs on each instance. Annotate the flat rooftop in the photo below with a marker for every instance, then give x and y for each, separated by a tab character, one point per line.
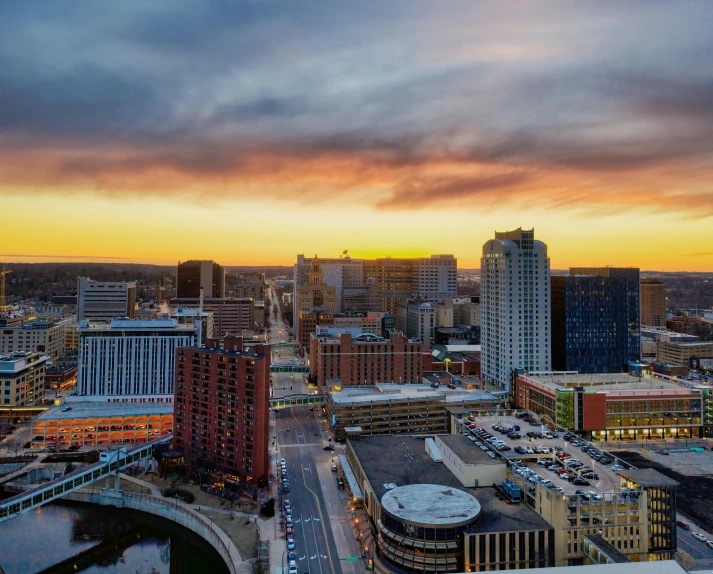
92	410
609	382
402	460
647	477
431	504
464	449
386	392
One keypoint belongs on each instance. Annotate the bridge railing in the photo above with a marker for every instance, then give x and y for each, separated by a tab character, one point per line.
57	488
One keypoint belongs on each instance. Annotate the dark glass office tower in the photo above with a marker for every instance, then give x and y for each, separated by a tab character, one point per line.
595	320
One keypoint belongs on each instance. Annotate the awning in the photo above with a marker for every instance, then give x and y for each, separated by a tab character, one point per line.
351	479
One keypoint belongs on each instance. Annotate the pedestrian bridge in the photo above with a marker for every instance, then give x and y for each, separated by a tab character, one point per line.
111	462
296	401
289	369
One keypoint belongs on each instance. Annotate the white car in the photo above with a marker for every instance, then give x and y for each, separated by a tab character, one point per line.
617	467
710	543
290	543
700	536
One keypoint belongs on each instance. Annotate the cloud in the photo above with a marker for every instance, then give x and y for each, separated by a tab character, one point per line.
399	108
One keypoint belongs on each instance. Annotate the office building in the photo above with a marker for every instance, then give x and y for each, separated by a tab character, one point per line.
388	408
230	316
361	322
365	359
631	276
102	424
315	304
360	283
222	400
680	353
195	317
459	311
61	374
102	301
341	273
417	320
425	519
653	303
399	279
250	289
619	406
22	379
514	306
131	360
590	329
194	275
27	334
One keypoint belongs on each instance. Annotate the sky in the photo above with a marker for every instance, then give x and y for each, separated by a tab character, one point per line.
250	131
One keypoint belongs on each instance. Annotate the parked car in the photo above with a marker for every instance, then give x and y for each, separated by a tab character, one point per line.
290	543
515	436
581	482
334	468
340	483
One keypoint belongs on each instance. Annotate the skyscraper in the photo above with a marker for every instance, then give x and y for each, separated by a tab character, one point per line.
316	301
590	331
633	322
515	306
102	301
192	275
653	303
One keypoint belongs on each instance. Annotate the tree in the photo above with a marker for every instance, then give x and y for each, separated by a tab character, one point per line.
259	567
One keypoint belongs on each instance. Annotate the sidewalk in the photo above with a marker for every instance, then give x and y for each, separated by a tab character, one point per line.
271	528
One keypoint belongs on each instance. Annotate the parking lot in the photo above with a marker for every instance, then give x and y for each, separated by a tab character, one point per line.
607	481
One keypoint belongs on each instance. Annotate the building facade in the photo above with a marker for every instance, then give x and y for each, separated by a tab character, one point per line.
250	289
679	353
102	301
515	306
365	359
222	399
29	335
653	303
230	316
590	328
618	407
194	316
632	277
22	379
417	320
196	275
130	359
316	302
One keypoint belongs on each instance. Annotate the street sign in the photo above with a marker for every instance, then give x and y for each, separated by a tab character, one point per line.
352	559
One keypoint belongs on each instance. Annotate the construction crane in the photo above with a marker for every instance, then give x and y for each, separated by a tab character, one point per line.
3	272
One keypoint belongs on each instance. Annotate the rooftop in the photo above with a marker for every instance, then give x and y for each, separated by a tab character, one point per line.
136	325
608	381
386	392
431	504
647	477
403	460
462	446
97	409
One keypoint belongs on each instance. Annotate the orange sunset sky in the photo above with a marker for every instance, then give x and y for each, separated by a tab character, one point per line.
247	132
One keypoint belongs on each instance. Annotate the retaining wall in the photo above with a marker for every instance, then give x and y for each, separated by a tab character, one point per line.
186	517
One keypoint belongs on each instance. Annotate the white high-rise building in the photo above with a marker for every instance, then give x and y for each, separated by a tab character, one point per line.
131	360
102	301
515	306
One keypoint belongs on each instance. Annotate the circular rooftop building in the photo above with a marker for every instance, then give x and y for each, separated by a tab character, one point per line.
431	505
421	525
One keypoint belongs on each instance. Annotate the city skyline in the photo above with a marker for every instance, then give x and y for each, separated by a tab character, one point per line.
385	128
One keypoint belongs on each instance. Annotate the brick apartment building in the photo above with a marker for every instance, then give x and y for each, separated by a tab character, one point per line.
222	398
365	359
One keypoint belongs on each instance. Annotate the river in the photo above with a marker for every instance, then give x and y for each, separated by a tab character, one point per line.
84	538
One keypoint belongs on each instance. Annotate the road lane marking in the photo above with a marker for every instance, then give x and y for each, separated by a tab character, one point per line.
319	506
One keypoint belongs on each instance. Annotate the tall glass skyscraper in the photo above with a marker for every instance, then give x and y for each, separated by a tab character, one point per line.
595	320
514	306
